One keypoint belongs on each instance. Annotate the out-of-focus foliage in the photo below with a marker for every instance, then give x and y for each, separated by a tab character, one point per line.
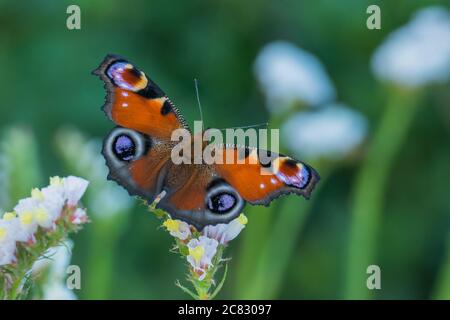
46	84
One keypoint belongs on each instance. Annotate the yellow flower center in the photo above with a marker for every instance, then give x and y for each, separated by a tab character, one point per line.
56	181
37	194
172	225
2	233
26	218
9	216
197	253
242	219
41	215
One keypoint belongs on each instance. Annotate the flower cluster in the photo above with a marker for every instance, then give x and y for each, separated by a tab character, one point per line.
291	77
418	53
38	223
203	251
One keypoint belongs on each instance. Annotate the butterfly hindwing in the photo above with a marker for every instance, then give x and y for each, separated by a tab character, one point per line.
263	175
136	161
198	196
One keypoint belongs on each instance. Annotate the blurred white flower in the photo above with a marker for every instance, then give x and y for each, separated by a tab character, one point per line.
177	228
288	74
7	252
7	241
54	264
58	291
7	230
11	226
74	188
201	252
417	53
225	232
331	132
56	260
25	210
110	200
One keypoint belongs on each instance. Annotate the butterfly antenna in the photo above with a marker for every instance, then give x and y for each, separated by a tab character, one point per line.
198	101
263	124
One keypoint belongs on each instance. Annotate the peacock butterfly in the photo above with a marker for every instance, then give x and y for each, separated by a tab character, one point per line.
138	154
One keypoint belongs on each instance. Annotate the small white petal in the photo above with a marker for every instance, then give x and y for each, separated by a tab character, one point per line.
74	188
209	249
79	216
225	232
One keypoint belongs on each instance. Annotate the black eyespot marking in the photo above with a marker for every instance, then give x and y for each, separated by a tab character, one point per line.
291	163
166	108
221	203
152	91
135	72
124	147
216	182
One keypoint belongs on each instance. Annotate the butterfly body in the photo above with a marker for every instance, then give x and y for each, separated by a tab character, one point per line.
139	154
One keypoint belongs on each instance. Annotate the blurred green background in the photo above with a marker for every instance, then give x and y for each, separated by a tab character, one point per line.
49	96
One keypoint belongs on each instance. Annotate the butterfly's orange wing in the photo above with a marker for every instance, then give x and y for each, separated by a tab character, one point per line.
134	101
263	176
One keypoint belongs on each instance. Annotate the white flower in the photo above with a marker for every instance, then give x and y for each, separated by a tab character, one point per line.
417	53
225	232
288	73
79	216
25	210
178	229
6	231
43	208
50	202
331	132
12	227
7	252
74	189
7	241
201	252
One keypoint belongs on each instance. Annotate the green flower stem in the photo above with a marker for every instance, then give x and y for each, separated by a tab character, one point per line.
255	235
442	289
370	188
269	269
19	148
253	239
101	257
203	288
